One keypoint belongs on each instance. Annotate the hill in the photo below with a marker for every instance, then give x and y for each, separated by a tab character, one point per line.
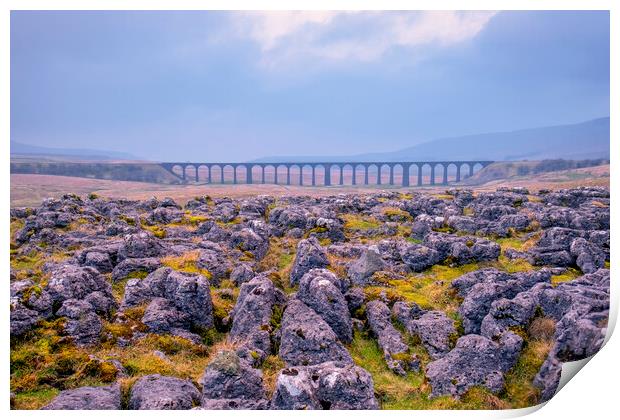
587	140
27	150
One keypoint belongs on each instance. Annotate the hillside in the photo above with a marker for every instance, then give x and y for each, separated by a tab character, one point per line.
121	171
26	150
587	140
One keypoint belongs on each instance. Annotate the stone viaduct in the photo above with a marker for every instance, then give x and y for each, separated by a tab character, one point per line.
382	172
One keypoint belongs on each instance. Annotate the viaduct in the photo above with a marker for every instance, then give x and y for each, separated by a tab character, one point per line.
189	171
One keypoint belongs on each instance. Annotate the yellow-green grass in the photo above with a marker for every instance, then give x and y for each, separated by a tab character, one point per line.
43	363
272	365
519	388
280	255
410	392
396	214
33	400
568	275
30	265
432	289
356	222
187	262
518	241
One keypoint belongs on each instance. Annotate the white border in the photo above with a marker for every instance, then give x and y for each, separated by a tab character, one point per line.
592	395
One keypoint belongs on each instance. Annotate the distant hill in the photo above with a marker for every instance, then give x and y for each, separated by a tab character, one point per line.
587	140
21	149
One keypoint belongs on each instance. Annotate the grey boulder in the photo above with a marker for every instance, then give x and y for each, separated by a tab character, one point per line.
157	392
326	386
309	255
88	398
306	339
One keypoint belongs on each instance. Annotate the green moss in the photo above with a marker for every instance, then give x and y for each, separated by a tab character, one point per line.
410	392
468	211
513	266
129	220
194	220
568	275
510	243
171	344
30	261
444	229
318	229
396	215
16	226
271	367
520	391
34	400
157	231
221	310
357	222
187	262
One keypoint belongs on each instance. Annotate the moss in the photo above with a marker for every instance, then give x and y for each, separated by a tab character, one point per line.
44	363
34	400
443	196
318	229
568	275
35	290
157	231
396	214
414	240
276	317
93	196
444	229
194	220
16	226
235	221
520	391
607	264
458	330
510	243
468	211
271	367
221	310
513	266
187	262
384	293
325	241
171	344
31	261
285	260
357	222
129	220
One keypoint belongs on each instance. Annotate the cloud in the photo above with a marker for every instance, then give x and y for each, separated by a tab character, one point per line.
286	37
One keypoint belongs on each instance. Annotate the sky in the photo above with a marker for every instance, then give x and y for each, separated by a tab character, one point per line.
235	86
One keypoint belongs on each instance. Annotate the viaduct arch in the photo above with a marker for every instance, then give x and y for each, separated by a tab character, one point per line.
362	173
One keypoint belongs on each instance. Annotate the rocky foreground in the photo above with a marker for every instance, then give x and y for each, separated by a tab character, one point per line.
390	300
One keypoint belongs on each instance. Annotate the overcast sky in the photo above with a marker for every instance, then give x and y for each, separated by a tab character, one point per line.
236	86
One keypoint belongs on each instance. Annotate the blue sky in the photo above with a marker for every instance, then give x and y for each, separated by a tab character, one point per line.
236	86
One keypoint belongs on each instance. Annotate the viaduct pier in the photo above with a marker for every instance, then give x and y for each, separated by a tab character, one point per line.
326	173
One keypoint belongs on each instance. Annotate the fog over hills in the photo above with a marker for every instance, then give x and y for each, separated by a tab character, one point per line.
586	140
